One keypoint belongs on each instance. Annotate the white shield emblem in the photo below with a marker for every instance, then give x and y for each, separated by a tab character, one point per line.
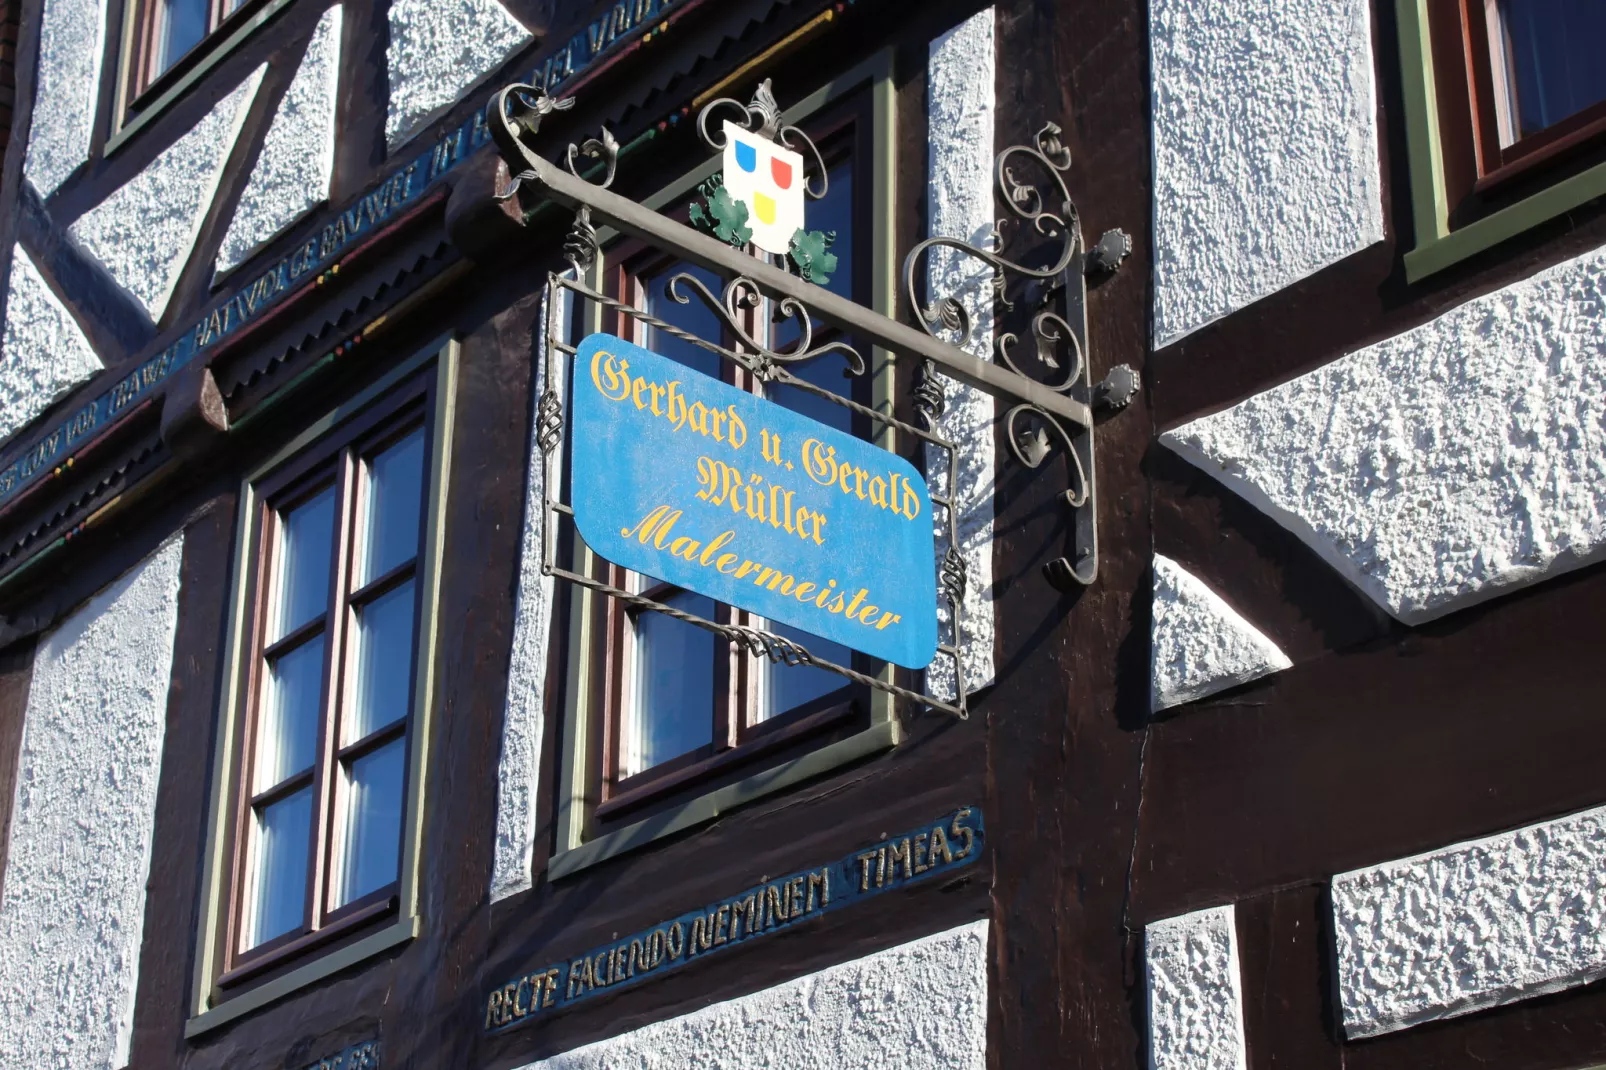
769	180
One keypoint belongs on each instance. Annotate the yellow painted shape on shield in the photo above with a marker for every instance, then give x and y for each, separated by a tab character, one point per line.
764	207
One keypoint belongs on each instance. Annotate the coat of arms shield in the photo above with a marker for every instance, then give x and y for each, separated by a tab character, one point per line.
768	178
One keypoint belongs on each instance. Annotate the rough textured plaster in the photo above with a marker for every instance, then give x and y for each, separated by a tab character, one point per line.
918	1006
1265	150
74	902
1200	644
292	171
523	720
1446	465
72	37
438	48
145	230
1473	925
1196	1017
44	353
959	191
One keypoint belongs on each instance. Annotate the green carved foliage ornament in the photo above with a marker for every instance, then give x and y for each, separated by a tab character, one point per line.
721	213
811	252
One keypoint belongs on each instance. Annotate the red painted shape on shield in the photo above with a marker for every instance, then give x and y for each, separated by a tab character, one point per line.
782	171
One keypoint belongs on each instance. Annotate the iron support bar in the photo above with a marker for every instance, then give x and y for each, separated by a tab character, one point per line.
629	217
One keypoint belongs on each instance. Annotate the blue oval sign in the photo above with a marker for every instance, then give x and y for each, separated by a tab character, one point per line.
690	480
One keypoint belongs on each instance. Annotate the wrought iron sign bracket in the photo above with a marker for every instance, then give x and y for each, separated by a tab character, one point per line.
1050	297
1051	408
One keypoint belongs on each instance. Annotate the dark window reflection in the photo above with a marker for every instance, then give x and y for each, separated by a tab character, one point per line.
833	212
1552	59
694	317
674	707
183	24
790	686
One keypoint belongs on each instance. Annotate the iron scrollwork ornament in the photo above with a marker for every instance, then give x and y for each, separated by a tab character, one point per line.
741	295
517	112
1053	282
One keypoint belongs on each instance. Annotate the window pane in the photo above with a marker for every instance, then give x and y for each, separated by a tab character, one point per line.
287	730
790	686
674	700
1553	58
384	636
373	807
306	536
181	25
832	212
829	372
693	317
395	491
279	869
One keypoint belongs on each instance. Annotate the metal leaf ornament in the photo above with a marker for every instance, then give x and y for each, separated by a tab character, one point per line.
720	213
811	252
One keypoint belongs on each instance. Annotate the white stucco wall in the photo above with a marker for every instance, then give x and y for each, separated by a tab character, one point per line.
143	233
523	717
918	1006
72	35
1265	150
1472	925
959	193
73	908
292	171
1200	644
1196	1017
438	48
1444	466
44	353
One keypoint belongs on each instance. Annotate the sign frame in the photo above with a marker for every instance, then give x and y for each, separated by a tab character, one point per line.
942	685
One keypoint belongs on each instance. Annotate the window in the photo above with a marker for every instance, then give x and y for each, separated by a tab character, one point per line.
168	46
331	681
166	34
1505	121
1540	73
320	752
667	720
681	703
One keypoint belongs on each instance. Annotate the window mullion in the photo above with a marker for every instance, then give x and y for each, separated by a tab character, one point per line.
333	679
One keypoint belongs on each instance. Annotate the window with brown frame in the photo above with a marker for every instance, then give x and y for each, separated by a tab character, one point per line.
1521	96
681	708
170	35
327	676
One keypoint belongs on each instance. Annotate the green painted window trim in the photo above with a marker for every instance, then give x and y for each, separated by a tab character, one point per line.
574	851
1437	247
207	1010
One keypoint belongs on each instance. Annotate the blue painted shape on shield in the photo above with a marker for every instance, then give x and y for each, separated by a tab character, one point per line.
746	156
685	478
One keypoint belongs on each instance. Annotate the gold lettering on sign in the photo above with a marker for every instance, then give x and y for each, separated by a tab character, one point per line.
657	528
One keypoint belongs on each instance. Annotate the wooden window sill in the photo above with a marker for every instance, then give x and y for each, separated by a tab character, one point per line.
657	787
227	1010
260	964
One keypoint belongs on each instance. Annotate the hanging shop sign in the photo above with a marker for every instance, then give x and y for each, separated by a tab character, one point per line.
771	906
682	477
